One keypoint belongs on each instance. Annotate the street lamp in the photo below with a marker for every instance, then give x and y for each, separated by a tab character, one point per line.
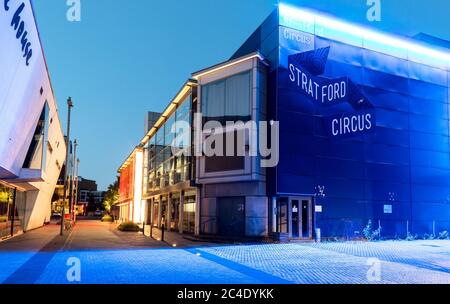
72	202
66	175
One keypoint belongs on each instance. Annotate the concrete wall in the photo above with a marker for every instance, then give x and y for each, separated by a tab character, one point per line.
21	102
24	89
256	206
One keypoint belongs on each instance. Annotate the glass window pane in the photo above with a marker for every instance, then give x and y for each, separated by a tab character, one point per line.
238	98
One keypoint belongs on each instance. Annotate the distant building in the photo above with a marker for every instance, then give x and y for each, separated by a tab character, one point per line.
150	120
89	195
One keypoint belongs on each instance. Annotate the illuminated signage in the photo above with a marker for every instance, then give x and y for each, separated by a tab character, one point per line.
322	25
19	28
296	40
304	69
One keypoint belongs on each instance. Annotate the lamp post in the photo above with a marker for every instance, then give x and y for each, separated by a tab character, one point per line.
72	202
76	188
66	171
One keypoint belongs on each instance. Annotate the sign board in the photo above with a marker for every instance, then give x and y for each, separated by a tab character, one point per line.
318	209
387	209
304	77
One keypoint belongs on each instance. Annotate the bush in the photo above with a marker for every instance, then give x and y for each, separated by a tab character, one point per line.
443	235
3	219
370	234
128	227
68	225
411	237
107	218
427	236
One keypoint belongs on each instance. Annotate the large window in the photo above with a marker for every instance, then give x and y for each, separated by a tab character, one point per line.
189	212
228	99
9	211
36	157
167	160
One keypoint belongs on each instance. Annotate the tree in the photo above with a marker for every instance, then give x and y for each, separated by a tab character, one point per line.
111	196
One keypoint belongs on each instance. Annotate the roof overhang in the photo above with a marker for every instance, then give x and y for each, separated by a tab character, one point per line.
330	27
170	109
130	158
228	64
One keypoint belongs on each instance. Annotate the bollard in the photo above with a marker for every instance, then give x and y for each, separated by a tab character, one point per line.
318	235
162	232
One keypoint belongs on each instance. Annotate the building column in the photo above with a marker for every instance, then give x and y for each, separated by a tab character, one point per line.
273	214
152	211
160	212
197	211
181	213
169	211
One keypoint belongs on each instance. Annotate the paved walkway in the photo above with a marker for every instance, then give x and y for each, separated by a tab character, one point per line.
105	255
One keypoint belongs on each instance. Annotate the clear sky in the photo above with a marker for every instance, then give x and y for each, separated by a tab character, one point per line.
125	58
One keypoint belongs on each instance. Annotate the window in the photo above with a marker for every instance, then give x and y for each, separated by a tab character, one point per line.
189	213
166	165
228	99
282	216
37	153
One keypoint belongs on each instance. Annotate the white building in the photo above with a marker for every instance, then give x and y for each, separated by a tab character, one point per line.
32	146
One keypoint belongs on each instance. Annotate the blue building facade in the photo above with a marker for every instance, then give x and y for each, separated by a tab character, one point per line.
364	128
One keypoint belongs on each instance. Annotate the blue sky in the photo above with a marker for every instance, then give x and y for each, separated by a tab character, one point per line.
128	57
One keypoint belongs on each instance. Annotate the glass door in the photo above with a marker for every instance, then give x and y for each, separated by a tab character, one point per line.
295	218
301	223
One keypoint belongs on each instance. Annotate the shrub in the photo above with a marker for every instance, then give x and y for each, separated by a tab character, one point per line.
411	237
68	225
370	234
427	236
107	218
443	235
367	231
128	227
3	219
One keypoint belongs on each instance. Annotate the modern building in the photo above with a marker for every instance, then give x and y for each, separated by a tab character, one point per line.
32	146
90	198
355	126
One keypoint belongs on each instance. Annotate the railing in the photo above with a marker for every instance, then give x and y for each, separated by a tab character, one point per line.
207	222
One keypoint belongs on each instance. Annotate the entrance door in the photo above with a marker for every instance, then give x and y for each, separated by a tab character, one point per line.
155	214
306	221
302	218
295	218
231	216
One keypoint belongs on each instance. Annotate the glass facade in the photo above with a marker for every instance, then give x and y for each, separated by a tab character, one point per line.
228	99
175	211
37	153
166	153
12	207
189	209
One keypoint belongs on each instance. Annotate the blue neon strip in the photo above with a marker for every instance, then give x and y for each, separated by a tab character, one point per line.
336	29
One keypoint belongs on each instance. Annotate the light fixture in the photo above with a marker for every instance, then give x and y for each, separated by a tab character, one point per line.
329	27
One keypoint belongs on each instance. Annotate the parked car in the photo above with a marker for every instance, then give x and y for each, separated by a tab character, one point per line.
98	213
